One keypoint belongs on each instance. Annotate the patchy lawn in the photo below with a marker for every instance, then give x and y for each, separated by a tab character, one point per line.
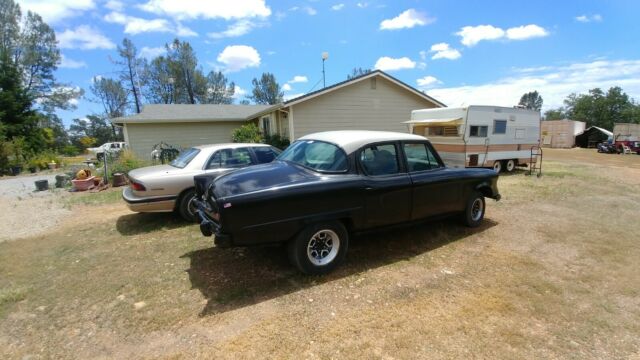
552	273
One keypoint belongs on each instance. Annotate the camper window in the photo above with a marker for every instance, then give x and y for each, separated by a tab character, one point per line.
499	126
478	131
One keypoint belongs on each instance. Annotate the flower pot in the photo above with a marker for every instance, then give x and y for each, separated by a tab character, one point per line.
51	165
16	170
119	179
42	185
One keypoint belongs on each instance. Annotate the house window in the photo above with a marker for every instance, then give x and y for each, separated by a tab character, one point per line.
478	131
499	126
266	125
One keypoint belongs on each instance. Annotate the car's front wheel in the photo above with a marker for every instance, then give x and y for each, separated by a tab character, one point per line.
474	211
319	248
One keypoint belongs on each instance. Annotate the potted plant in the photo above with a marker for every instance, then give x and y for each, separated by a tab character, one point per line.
33	165
16	167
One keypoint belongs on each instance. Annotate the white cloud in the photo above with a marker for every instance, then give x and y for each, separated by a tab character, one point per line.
198	9
114	5
526	32
298	79
337	7
471	35
386	63
84	37
292	96
135	25
239	28
406	20
553	83
362	5
427	81
239	92
150	53
53	11
444	51
286	87
238	57
587	18
67	63
308	9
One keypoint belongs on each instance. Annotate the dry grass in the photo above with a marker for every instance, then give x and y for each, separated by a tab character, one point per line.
551	274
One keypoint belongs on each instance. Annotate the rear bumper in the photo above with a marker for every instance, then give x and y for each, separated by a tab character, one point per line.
209	227
148	204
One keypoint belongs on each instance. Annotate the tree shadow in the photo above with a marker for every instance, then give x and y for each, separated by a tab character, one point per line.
140	223
238	277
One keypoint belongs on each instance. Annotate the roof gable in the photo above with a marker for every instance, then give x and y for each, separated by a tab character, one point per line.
194	113
357	79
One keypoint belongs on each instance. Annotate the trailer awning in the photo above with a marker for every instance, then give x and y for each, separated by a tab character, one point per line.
438	122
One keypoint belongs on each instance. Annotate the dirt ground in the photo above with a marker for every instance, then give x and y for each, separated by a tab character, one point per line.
552	273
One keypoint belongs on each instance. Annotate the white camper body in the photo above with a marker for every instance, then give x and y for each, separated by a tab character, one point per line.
480	136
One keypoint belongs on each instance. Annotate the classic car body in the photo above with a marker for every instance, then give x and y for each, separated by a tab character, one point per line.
371	180
164	188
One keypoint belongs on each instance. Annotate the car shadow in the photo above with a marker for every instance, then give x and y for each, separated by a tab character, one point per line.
238	277
140	223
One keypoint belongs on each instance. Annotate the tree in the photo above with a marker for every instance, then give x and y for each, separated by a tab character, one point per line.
93	127
531	100
132	64
555	114
32	46
358	72
113	97
189	82
159	81
218	92
598	108
266	90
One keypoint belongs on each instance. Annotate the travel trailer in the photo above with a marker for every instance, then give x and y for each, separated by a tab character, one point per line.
481	136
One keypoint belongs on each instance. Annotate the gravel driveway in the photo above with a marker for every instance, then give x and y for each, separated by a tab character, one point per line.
27	212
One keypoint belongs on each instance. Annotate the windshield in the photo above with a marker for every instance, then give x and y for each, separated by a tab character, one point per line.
316	155
184	158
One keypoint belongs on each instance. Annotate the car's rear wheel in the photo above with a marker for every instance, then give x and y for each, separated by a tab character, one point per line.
186	205
511	165
497	166
474	211
319	248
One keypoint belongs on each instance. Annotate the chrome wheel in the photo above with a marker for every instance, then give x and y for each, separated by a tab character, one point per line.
477	209
323	247
191	206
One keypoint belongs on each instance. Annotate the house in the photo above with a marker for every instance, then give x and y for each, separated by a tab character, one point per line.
373	101
561	133
592	136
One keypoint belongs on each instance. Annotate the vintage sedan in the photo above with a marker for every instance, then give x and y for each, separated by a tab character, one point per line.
328	185
164	188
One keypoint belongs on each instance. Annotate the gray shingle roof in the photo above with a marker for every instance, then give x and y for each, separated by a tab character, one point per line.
189	113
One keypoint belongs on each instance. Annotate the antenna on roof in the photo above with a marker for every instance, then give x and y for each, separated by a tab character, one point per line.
325	56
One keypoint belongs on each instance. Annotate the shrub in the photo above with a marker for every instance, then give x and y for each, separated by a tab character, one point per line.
278	141
42	160
126	162
249	133
70	150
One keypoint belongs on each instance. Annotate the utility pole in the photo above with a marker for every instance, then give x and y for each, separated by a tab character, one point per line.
325	56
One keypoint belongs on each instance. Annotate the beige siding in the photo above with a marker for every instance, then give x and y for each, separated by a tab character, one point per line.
142	137
358	106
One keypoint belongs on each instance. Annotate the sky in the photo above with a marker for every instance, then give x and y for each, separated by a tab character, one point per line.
460	52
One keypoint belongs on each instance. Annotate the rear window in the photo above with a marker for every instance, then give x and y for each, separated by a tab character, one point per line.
265	154
184	158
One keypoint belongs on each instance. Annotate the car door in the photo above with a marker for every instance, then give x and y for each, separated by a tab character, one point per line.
387	185
434	191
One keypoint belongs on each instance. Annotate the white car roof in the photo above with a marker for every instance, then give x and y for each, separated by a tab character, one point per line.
352	140
228	146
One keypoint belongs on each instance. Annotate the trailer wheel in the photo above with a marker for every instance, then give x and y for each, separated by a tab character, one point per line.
497	166
511	165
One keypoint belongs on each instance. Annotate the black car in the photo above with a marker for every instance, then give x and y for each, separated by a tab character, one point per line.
326	186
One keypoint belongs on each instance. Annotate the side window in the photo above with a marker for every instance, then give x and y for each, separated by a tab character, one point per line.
478	131
265	154
379	160
420	157
230	158
499	126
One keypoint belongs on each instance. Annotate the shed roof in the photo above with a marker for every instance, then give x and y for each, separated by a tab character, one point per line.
193	113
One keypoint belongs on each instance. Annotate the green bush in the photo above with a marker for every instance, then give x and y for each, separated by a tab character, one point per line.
43	159
126	162
249	133
70	150
278	141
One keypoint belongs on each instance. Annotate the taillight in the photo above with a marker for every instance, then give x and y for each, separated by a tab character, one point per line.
137	186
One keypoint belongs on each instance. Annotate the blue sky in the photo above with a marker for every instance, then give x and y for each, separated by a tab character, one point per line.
460	52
